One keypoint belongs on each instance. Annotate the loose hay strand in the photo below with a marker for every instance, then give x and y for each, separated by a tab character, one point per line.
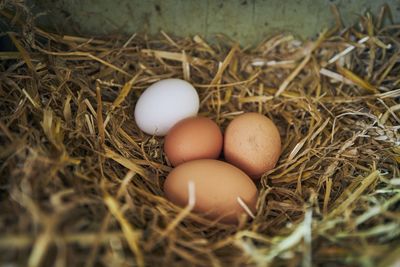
185	212
354	195
245	207
131	236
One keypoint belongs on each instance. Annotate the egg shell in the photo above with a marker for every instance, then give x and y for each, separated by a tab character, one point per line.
217	186
193	138
252	143
165	103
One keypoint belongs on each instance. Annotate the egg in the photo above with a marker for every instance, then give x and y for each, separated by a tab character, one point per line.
252	143
193	138
217	187
165	103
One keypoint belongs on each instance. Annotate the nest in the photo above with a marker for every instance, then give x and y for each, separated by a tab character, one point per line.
81	185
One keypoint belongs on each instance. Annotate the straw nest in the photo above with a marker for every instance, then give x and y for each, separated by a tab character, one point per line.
80	185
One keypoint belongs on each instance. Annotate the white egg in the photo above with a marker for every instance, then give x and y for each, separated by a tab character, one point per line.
164	104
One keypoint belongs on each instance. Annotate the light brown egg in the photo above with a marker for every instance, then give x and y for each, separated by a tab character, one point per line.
217	186
193	138
252	143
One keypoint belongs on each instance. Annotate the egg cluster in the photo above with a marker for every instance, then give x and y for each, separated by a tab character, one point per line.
221	167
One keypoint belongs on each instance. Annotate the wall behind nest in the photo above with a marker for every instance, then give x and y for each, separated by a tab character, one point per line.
246	21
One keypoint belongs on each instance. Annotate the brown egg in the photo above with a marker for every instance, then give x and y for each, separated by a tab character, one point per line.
217	186
252	143
193	138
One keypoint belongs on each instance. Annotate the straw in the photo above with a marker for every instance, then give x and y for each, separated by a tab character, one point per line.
81	185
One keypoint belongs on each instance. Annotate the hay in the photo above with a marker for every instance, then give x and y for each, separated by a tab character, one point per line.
80	185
